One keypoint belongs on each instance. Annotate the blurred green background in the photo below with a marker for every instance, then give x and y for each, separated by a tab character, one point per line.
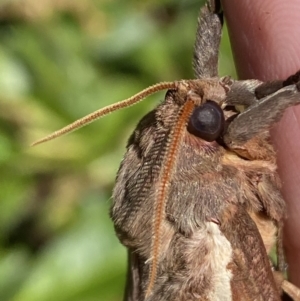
59	60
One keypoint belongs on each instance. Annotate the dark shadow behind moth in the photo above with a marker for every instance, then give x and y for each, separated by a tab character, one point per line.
197	198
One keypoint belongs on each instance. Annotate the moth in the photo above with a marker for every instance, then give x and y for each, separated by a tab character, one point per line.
197	199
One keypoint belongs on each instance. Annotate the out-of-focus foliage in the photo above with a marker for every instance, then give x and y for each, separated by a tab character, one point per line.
59	60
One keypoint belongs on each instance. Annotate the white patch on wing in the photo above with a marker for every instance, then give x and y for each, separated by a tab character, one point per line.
221	256
206	255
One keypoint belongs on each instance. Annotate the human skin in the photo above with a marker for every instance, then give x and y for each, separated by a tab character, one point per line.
265	38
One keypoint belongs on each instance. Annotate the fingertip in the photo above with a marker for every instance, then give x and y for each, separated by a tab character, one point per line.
264	37
266	45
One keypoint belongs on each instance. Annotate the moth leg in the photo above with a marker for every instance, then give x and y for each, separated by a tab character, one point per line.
133	280
268	88
248	92
271	87
287	287
242	92
279	248
290	289
259	117
208	37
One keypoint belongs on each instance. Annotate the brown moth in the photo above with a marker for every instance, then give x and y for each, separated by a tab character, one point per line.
197	198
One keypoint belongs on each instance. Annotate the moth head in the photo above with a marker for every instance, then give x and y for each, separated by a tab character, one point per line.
211	114
207	121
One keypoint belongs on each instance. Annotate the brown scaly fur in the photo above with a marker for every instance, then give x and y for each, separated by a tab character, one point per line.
213	185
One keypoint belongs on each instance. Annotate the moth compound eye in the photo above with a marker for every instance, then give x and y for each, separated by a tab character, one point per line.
207	121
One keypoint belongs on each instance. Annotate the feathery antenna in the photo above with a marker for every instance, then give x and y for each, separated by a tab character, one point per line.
168	165
107	110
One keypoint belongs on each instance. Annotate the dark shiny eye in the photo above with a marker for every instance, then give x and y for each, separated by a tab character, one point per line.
207	121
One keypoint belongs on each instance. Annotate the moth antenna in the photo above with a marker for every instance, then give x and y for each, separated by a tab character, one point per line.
168	165
107	110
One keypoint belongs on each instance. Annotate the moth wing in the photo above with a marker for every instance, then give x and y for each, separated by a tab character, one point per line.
252	274
133	280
